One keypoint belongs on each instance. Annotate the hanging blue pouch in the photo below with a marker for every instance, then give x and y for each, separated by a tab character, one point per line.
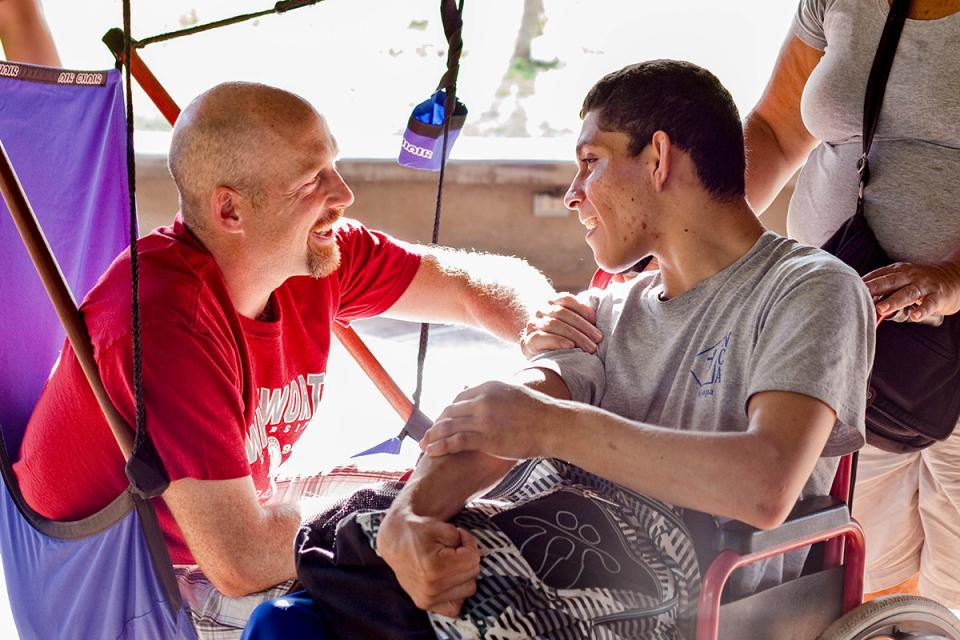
422	144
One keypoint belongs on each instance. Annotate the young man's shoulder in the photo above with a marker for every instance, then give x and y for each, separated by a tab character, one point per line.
794	263
800	281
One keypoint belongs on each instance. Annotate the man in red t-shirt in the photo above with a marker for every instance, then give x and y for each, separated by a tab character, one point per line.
237	297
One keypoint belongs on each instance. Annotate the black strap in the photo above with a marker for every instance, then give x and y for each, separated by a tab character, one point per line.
280	7
452	17
877	86
144	469
853	479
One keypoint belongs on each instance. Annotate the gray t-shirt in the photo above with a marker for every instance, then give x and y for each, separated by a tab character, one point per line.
912	199
784	317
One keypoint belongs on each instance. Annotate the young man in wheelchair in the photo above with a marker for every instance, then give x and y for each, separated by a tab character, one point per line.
728	381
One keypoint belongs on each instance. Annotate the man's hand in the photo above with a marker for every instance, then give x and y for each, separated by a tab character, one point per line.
499	419
564	322
934	288
436	563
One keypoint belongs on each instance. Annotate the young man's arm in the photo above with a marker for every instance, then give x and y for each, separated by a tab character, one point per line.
436	563
753	476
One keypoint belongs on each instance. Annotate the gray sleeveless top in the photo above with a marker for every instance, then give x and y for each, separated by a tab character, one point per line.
913	201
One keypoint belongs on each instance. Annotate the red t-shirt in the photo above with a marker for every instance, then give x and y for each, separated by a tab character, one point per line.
226	396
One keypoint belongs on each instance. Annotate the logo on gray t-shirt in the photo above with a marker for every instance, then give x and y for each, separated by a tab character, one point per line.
708	366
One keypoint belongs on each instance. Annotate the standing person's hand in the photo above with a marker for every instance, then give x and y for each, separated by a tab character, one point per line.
933	288
25	35
499	419
436	563
565	322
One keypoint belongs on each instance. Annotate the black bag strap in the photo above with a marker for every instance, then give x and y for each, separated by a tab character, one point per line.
877	87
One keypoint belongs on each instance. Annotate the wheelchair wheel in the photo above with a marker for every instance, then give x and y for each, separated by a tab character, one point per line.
899	617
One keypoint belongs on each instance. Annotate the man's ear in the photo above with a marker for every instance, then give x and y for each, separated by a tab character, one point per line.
663	157
227	209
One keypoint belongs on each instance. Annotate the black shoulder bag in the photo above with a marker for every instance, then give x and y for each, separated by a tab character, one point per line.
914	395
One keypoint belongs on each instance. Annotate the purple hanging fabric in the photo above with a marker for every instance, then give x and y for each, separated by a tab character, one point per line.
64	133
93	578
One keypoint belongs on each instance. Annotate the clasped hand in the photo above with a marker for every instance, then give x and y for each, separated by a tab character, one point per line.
435	562
933	288
566	322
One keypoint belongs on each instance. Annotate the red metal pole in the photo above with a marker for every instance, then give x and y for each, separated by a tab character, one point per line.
833	550
346	335
374	370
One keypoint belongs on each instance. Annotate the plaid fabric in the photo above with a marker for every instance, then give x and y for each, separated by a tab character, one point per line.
217	617
338	483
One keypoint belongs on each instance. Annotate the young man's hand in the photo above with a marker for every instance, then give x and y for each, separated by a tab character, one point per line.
499	419
436	563
565	322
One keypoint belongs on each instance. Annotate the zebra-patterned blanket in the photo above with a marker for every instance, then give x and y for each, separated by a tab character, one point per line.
564	554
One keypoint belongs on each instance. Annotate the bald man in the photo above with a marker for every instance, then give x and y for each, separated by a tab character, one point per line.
238	296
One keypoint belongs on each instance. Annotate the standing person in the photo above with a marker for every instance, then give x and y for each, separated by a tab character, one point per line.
25	35
909	504
237	300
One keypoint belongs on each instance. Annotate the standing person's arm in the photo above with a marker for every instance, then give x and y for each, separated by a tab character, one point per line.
25	35
777	142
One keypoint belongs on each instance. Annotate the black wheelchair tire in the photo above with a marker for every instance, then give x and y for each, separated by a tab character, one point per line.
899	617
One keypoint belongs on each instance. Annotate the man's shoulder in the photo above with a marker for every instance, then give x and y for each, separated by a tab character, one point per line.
175	283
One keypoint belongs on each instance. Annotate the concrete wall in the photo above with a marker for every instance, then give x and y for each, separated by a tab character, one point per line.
507	207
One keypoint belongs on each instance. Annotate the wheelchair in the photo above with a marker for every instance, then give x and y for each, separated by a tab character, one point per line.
824	603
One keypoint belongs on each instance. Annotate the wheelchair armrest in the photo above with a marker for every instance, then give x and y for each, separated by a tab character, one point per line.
809	517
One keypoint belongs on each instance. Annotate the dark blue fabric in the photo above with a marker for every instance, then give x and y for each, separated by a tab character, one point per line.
67	144
431	111
292	616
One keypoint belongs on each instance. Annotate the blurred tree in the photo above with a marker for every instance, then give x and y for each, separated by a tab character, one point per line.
506	115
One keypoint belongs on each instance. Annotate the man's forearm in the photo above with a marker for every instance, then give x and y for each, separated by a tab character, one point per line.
241	545
495	293
273	559
504	306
